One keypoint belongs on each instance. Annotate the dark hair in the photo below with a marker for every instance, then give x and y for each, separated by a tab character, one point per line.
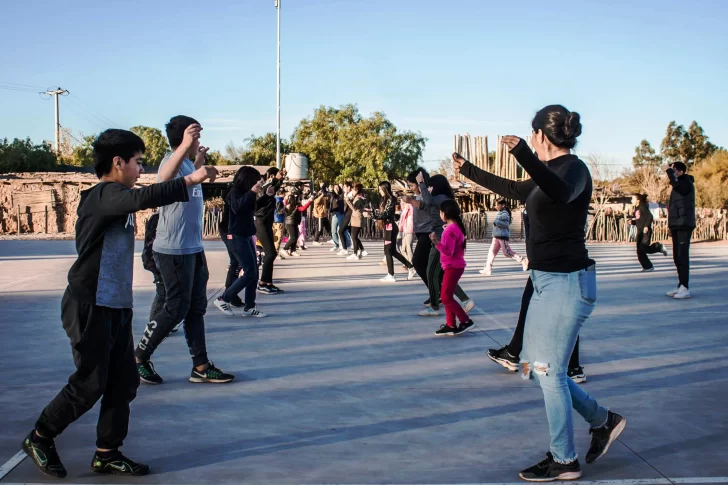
560	125
679	166
359	188
641	198
176	129
387	187
245	178
440	186
412	177
451	209
115	143
337	192
271	172
348	183
504	202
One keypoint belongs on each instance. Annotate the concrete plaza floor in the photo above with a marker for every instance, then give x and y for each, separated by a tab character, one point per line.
344	384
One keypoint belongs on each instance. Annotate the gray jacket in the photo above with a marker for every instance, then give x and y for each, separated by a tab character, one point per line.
502	225
431	205
421	220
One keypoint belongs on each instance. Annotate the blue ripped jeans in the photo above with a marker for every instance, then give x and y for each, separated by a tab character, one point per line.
561	303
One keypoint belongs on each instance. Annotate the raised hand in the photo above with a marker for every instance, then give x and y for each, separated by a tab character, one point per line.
201	174
420	178
457	162
201	156
192	133
256	188
510	141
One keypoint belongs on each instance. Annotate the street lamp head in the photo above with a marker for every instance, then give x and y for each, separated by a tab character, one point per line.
275	2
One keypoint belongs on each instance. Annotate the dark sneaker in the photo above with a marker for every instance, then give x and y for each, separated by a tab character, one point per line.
503	357
275	289
43	453
549	471
577	374
602	438
237	303
427	302
147	374
212	375
118	464
446	330
265	289
463	327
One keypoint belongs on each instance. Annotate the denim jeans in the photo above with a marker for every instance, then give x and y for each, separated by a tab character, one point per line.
244	251
336	220
561	303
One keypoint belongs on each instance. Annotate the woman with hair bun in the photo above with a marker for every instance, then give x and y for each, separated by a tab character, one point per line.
564	279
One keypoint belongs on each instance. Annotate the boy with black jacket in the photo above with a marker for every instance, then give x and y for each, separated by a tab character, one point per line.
681	221
96	309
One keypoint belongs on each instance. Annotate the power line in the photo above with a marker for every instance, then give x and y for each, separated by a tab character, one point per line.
84	116
22	85
97	114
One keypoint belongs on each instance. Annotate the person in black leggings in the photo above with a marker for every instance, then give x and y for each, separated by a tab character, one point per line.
264	217
356	205
386	216
233	266
423	228
346	223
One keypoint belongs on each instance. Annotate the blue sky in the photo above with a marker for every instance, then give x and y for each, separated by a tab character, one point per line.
434	66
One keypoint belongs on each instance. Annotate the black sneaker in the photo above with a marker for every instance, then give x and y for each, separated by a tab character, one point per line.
463	327
265	289
212	375
602	438
549	470
118	464
446	330
275	289
577	374
43	453
503	357
147	374
237	303
427	302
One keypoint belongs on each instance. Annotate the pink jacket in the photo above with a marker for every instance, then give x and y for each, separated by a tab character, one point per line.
406	220
452	252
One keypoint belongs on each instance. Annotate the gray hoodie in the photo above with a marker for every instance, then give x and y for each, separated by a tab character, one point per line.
431	206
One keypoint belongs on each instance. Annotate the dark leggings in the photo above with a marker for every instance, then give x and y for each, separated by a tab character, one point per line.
264	233
516	344
322	224
342	230
292	230
422	254
355	241
390	250
233	269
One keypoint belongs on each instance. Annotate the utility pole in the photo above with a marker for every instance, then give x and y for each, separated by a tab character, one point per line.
278	90
55	93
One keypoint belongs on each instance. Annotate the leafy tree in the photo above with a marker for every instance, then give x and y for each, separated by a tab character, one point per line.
445	168
82	155
686	146
217	158
155	142
645	156
24	156
672	143
711	181
341	144
258	150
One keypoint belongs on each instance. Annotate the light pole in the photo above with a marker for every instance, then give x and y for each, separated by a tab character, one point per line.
278	89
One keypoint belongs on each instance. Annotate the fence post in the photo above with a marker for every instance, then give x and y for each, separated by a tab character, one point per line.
46	219
18	209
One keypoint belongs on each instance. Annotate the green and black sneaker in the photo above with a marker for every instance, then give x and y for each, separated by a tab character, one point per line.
43	453
147	374
212	375
118	464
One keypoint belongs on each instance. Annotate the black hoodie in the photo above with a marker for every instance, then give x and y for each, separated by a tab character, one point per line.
681	209
102	274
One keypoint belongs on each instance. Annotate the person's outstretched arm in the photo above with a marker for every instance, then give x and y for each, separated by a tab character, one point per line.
501	186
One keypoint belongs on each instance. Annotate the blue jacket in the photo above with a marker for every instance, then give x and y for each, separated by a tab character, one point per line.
502	225
280	211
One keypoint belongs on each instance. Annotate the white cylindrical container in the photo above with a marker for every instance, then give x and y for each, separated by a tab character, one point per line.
297	166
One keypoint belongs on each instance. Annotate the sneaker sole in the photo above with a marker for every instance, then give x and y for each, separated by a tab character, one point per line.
151	383
508	365
224	312
469	306
612	438
563	476
428	314
682	297
28	451
578	379
113	471
462	331
203	380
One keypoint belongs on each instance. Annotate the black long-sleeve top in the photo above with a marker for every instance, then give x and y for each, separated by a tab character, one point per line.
557	199
241	209
265	206
645	217
387	214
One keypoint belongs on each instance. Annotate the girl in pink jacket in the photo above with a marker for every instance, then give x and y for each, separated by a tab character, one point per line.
452	258
407	229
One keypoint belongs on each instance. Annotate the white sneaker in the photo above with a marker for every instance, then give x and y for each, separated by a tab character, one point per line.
429	312
316	243
364	253
353	257
672	293
468	305
296	254
253	312
648	270
334	249
389	279
682	293
484	272
224	307
411	273
343	252
663	250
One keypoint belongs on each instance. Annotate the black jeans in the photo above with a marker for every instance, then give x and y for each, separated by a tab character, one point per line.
355	241
103	352
644	248
516	345
264	233
422	254
185	284
390	250
681	253
233	269
244	251
343	227
292	230
322	223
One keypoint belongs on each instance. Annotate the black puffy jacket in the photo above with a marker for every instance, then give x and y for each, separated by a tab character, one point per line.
681	210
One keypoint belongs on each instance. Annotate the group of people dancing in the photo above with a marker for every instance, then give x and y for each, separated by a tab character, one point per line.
559	297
